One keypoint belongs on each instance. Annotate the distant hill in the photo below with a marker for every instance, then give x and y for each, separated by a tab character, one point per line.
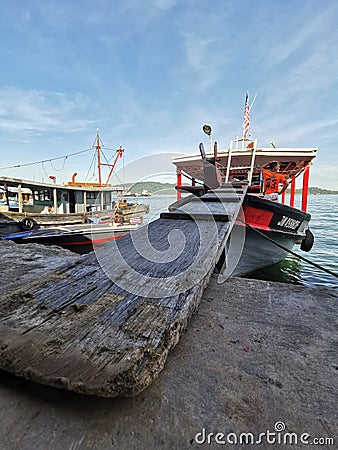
169	189
152	187
318	191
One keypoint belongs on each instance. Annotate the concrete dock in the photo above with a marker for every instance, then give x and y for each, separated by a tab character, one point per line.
256	356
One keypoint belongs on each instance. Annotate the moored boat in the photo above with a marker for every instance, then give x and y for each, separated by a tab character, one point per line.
81	238
271	229
32	203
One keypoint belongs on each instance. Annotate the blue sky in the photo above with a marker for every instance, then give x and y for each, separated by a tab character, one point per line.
150	73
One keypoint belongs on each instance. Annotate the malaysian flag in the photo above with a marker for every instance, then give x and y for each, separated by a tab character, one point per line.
246	122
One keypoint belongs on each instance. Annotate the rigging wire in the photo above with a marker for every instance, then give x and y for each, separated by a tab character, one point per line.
123	172
119	179
104	156
46	160
318	266
63	165
89	169
44	169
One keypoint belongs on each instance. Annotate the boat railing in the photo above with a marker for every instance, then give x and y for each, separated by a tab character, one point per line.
251	147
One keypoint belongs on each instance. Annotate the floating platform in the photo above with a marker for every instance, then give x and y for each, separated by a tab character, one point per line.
104	324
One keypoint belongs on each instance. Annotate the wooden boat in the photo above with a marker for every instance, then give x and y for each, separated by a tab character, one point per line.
27	221
31	203
81	238
267	230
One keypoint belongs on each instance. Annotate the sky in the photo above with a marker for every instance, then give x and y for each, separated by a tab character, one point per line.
148	74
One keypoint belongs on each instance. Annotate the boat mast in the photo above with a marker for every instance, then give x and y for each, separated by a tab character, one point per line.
119	154
98	149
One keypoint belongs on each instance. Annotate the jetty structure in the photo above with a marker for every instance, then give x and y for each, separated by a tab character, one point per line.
105	324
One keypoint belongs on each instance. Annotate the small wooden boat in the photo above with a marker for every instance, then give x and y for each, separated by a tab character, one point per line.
81	238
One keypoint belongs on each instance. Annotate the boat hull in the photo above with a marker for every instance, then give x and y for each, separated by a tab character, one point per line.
259	252
136	209
77	238
268	225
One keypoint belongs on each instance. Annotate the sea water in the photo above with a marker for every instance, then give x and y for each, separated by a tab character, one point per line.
324	226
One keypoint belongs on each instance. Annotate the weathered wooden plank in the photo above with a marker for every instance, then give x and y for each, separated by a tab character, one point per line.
215	207
104	324
177	215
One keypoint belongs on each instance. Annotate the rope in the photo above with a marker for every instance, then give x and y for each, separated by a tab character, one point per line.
190	178
289	251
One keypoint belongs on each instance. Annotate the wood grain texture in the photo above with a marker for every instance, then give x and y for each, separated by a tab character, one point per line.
105	323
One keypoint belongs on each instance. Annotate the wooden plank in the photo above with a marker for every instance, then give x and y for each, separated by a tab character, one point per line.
176	215
198	206
104	324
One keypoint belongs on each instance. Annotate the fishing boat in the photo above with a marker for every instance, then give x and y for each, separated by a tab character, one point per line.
269	229
31	204
80	238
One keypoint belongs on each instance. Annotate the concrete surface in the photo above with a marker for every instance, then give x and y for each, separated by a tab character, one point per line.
257	353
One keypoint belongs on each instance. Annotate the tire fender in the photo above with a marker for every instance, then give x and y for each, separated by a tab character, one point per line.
27	224
307	243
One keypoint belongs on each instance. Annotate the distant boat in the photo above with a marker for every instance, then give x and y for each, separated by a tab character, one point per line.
144	193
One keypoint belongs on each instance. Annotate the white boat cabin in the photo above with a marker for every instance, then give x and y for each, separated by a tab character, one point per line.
35	197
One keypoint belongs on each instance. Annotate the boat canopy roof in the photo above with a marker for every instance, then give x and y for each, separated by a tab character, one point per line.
13	183
16	190
292	160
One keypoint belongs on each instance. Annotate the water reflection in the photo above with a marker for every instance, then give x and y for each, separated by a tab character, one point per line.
286	271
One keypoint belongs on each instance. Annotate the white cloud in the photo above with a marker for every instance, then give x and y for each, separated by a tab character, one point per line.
164	5
32	111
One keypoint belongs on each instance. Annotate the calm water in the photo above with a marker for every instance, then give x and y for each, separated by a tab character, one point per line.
324	226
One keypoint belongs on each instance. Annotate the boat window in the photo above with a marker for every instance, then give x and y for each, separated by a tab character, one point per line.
91	195
42	194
